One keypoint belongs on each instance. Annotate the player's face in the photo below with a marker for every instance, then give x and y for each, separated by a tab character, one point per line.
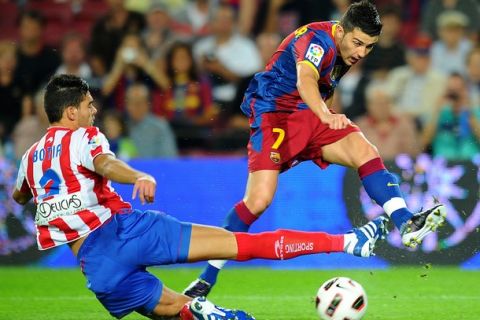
355	45
86	111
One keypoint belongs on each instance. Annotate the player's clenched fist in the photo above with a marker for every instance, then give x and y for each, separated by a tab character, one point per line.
145	186
335	121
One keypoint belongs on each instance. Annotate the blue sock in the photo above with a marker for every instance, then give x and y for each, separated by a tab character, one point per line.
233	223
383	188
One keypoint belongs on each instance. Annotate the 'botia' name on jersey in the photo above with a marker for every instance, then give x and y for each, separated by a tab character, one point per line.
47	153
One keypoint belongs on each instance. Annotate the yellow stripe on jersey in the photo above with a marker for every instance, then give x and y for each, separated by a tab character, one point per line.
310	64
334	28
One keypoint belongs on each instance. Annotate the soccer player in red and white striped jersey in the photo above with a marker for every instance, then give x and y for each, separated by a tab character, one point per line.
68	174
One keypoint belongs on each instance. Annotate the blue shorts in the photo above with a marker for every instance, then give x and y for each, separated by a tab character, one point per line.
114	258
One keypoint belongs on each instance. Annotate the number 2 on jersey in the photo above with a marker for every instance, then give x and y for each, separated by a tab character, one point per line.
50	181
281	136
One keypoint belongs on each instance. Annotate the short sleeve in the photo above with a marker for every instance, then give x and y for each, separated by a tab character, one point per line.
312	49
21	184
93	144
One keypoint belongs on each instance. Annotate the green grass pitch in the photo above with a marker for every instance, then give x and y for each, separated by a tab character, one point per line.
426	293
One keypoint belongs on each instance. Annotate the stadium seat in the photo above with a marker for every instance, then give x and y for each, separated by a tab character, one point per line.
8	14
54	32
9	32
52	10
92	10
83	27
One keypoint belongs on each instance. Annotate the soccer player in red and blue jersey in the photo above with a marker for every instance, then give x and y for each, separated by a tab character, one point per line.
290	120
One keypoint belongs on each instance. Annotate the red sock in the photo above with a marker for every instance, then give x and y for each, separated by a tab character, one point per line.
185	313
285	244
370	167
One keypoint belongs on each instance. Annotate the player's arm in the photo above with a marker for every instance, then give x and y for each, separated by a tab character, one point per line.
307	85
22	196
22	193
116	170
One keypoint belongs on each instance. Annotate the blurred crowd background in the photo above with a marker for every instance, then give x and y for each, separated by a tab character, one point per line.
168	76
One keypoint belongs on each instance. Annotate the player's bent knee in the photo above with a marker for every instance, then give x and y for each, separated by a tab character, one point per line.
258	205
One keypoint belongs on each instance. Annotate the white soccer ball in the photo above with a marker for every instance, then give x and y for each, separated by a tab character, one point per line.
341	298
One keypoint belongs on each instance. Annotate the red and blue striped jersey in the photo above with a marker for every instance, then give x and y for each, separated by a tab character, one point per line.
275	88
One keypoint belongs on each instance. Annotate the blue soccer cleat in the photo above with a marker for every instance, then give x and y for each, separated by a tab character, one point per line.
202	309
422	224
361	241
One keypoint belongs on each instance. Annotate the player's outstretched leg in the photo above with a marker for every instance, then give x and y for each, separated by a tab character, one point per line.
202	309
287	244
384	188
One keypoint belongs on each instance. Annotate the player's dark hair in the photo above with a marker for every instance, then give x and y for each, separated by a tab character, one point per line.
62	91
362	15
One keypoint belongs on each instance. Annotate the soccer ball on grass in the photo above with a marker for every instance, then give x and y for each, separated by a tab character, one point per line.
341	298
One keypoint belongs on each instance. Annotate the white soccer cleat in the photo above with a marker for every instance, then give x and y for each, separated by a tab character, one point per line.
422	224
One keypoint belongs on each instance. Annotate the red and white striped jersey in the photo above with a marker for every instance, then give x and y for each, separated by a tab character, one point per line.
72	200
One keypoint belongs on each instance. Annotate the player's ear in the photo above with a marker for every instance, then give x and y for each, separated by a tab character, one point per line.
339	31
71	113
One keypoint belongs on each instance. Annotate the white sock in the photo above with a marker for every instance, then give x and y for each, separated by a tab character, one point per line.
217	263
347	239
393	205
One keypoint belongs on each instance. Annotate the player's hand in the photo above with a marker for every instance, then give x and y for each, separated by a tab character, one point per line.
335	121
145	187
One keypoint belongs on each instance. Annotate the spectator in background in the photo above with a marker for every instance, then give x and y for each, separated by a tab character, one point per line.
35	61
389	52
132	65
73	57
151	135
454	129
108	31
187	103
115	130
450	50
392	133
473	75
10	90
196	14
434	8
158	33
226	56
32	125
341	7
265	16
416	87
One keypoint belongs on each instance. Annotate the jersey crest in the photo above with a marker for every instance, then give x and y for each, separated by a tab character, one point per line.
314	54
